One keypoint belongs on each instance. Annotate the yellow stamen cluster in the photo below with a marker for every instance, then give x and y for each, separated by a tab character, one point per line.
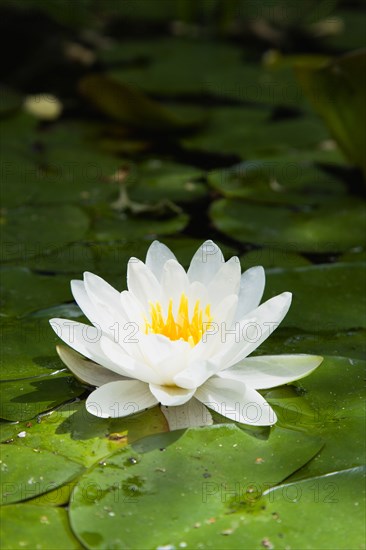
181	327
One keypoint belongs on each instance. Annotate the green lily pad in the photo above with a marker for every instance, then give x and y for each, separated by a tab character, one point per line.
73	432
308	514
27	472
75	173
24	399
31	231
278	182
28	349
41	527
171	487
330	404
272	257
337	227
117	227
249	132
129	105
350	343
155	180
24	292
323	298
337	93
73	258
176	66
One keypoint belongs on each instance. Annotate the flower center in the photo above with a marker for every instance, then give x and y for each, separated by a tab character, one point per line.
180	327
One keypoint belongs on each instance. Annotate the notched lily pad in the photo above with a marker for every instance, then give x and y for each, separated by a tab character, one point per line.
25	399
71	431
41	527
203	474
337	227
31	231
323	298
27	473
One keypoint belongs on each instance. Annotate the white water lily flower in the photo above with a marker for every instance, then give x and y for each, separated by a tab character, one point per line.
181	339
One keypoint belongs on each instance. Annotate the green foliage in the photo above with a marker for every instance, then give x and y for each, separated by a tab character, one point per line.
183	121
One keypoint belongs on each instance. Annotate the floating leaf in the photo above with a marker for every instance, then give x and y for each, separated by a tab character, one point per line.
330	404
278	182
334	228
139	227
337	93
180	486
27	473
73	432
308	514
348	343
25	292
31	231
127	104
41	527
24	399
176	66
27	349
323	299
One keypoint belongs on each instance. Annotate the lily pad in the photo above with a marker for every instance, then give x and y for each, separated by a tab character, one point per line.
31	231
140	227
337	93
348	343
27	472
329	303
249	133
156	180
278	182
272	257
41	527
24	399
307	514
24	292
73	258
180	486
330	404
127	104
330	228
176	66
73	432
27	349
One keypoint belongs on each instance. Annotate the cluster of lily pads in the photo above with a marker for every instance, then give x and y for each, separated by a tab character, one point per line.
184	138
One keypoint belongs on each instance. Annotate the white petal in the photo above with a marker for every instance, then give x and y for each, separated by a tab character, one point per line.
195	374
83	301
166	356
122	398
102	294
86	340
142	283
84	370
205	263
252	331
156	257
174	282
171	396
269	371
191	414
131	308
225	282
236	401
214	337
131	366
251	291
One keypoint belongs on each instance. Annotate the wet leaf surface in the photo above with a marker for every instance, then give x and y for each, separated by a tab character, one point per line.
23	477
173	501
